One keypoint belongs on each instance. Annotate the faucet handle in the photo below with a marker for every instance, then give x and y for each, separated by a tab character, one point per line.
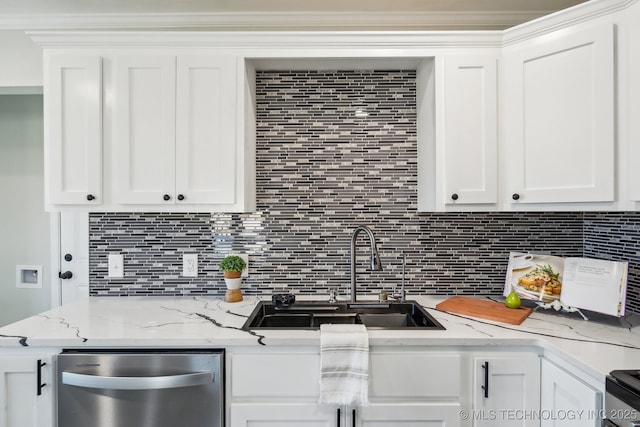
333	295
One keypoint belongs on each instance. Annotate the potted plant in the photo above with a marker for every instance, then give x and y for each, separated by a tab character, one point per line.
232	266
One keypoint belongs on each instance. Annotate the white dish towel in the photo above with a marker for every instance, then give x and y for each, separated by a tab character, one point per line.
344	360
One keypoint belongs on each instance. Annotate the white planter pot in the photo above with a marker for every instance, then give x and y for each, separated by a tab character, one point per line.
233	283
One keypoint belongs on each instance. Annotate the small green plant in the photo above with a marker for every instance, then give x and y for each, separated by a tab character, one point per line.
232	263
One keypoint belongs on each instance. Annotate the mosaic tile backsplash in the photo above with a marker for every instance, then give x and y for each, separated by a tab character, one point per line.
336	150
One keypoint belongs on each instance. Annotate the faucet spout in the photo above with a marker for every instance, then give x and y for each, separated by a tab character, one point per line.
375	265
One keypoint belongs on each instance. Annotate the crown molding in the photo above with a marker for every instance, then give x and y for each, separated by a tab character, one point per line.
565	18
307	40
272	21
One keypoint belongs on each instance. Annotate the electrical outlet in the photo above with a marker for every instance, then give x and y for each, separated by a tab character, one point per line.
190	265
116	265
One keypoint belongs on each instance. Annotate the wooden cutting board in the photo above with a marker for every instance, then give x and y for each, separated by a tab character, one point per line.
484	309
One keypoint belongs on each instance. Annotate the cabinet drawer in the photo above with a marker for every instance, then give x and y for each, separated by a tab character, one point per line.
412	376
275	375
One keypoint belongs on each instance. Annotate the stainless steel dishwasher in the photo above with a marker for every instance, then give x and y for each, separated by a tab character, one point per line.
140	388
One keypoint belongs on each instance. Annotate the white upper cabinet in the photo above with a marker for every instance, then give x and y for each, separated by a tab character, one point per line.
558	117
470	140
144	143
175	127
205	129
73	130
630	94
149	130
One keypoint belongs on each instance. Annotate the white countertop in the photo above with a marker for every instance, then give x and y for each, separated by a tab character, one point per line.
594	347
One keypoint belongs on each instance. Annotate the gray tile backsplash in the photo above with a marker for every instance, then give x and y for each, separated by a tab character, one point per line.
323	168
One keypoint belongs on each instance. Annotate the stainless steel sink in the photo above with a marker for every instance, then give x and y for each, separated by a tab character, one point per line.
312	314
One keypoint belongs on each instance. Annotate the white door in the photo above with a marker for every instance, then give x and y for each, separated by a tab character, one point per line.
73	277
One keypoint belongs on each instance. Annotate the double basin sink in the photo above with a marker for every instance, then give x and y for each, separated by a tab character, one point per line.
312	314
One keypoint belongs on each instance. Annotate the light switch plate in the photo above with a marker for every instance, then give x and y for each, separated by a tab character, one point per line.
116	266
190	265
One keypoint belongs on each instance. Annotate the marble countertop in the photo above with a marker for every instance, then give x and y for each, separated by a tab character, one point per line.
592	346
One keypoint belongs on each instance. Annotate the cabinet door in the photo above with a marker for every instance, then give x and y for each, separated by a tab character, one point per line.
632	95
470	130
504	389
206	143
559	118
20	404
73	134
280	414
571	401
398	415
144	143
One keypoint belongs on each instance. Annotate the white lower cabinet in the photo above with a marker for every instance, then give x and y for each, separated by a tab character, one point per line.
406	415
506	390
278	414
566	400
25	401
406	388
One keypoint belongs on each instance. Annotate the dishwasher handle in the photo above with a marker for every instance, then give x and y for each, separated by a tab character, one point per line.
137	383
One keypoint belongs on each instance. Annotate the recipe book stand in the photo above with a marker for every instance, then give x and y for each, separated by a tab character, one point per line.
558	305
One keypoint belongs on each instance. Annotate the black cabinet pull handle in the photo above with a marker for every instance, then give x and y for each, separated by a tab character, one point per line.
353	418
485	387
40	384
515	196
166	197
180	197
90	197
338	418
454	196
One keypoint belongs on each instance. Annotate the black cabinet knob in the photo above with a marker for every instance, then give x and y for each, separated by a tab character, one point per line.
515	196
166	197
66	275
180	197
454	196
68	257
90	197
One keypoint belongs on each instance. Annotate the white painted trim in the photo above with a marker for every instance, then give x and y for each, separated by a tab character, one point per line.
21	90
565	18
443	20
274	40
54	236
401	30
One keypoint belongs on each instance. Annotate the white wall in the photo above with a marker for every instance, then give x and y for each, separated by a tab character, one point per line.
21	60
24	225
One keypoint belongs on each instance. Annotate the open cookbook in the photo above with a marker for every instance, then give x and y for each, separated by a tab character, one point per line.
583	283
